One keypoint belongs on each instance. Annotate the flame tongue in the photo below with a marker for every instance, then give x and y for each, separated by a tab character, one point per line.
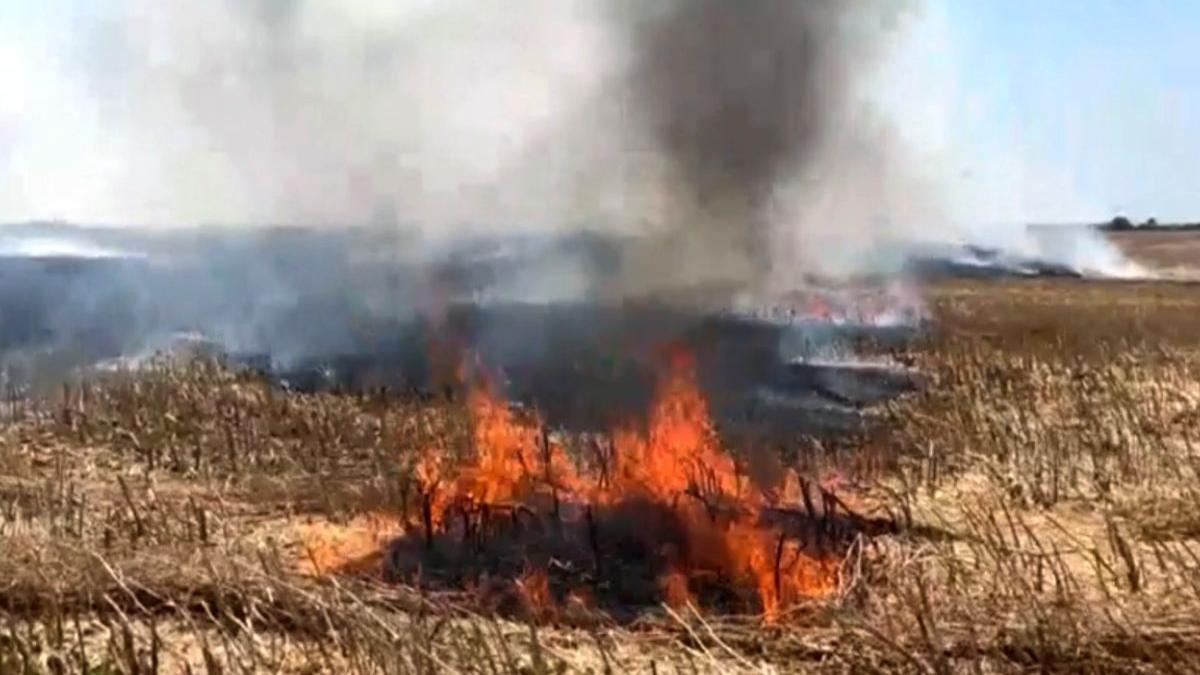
661	514
680	453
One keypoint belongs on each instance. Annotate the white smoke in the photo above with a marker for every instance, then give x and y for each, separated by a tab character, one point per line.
1082	249
57	247
449	116
301	112
309	112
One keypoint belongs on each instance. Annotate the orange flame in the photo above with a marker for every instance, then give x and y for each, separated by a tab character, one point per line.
680	452
677	462
353	547
534	587
675	589
513	459
680	455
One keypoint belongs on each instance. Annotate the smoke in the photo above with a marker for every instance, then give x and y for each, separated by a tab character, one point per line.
735	94
1084	250
777	167
731	138
710	127
747	143
317	113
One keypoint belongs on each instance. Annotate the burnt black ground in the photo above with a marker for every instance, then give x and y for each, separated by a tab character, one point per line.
320	310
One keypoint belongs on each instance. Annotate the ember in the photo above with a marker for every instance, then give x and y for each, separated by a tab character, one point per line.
650	514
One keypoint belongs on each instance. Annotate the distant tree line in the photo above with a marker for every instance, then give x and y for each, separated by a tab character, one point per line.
1123	224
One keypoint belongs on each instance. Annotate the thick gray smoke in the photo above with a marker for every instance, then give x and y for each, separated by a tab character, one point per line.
730	138
712	130
737	96
748	101
699	123
735	136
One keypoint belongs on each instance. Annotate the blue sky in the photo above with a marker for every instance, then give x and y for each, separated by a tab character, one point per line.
1095	102
1032	110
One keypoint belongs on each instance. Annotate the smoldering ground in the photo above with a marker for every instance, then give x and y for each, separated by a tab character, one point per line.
710	130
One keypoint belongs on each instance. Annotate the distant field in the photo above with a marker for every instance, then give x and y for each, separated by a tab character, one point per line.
1167	251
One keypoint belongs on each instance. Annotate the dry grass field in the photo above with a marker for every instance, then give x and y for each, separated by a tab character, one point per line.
1176	253
1044	487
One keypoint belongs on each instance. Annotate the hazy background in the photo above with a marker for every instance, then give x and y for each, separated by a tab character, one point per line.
939	117
1063	111
754	145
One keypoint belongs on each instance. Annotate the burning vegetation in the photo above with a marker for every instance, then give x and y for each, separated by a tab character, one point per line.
624	444
1043	486
653	512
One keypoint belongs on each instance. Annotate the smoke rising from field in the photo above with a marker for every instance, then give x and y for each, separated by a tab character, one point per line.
698	121
317	113
733	137
745	97
747	139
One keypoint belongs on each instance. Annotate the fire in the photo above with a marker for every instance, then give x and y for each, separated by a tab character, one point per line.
512	458
504	451
534	589
680	456
668	501
680	452
352	547
675	590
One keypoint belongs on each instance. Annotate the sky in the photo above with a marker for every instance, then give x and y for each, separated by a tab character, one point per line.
1010	110
1078	109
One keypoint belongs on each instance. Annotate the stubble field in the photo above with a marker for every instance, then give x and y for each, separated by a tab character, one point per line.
1043	487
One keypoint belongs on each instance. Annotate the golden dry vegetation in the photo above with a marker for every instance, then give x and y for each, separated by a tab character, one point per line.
1176	253
1045	481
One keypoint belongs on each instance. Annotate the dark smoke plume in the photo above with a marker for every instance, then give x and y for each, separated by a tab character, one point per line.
734	96
683	117
740	95
681	121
